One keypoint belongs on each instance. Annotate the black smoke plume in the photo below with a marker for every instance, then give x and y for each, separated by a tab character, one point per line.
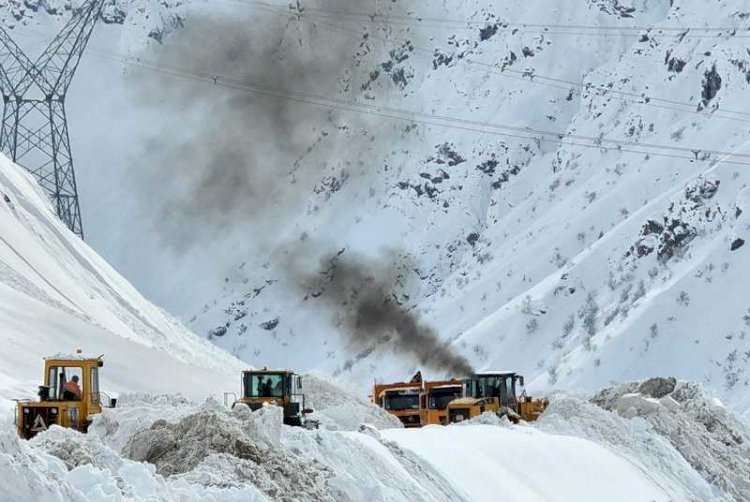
366	297
229	153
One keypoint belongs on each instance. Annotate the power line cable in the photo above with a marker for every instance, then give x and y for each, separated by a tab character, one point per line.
439	120
530	76
378	18
436	120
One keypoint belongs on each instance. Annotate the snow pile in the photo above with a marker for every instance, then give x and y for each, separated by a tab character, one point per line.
715	443
633	439
486	418
138	411
577	451
63	465
339	408
229	448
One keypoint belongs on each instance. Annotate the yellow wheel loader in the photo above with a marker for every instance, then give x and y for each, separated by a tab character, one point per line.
69	397
281	388
466	408
496	391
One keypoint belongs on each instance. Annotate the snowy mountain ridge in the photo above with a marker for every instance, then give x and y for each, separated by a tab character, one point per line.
579	261
436	137
158	445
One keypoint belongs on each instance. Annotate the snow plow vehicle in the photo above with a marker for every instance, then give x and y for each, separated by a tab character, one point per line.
400	399
495	391
69	397
281	388
434	400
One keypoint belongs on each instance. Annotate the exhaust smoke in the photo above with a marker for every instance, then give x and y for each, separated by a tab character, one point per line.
231	155
365	297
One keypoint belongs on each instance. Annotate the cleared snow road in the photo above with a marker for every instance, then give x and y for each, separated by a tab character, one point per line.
487	462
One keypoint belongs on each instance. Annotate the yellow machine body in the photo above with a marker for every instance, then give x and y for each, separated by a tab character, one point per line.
466	408
501	388
531	409
434	400
57	404
281	388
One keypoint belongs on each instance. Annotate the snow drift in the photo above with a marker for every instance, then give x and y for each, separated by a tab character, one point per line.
578	451
57	295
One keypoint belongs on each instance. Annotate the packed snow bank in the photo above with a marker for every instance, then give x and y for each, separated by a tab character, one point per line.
715	443
57	295
523	464
633	439
340	408
169	448
63	465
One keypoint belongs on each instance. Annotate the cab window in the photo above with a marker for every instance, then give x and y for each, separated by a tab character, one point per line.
95	398
439	398
401	400
65	383
264	385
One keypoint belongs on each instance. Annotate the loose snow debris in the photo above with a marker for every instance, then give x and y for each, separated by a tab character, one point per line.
486	418
716	444
26	476
226	449
634	439
138	411
64	465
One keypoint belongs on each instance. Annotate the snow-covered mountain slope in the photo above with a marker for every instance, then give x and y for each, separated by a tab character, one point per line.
140	19
57	295
547	185
578	216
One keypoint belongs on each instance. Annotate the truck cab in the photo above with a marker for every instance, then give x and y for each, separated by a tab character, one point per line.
69	397
434	399
281	388
401	400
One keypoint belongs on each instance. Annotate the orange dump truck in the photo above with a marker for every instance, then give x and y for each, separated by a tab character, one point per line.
434	399
400	399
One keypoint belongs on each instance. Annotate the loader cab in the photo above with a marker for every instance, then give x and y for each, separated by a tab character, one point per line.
69	397
503	386
282	388
498	384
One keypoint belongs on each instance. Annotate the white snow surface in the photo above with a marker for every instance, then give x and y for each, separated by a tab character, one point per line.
578	451
155	447
543	251
236	455
57	295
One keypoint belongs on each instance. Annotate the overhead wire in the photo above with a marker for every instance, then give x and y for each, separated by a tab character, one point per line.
536	78
458	123
379	18
441	120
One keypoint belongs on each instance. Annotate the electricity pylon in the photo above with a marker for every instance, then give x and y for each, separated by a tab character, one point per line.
34	131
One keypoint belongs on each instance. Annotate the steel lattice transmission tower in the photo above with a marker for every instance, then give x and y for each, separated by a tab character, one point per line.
34	130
